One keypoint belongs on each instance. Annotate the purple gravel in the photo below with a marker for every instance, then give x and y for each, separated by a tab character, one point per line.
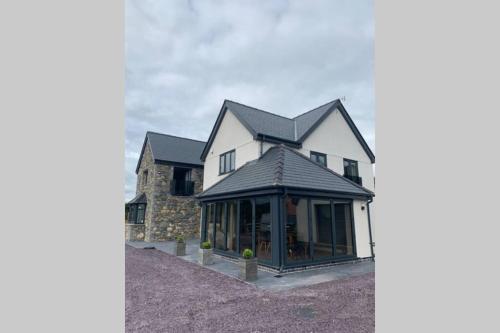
168	294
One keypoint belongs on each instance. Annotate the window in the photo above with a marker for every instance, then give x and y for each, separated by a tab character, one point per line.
297	230
351	171
220	227
318	157
263	228
181	182
226	162
246	222
321	216
344	235
136	213
145	177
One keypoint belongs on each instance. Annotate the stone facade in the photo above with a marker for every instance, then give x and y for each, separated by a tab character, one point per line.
134	232
167	215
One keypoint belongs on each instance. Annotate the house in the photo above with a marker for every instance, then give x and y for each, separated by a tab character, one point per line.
297	191
169	175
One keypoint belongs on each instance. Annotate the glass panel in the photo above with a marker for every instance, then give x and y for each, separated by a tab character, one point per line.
140	213
221	164
228	162
322	229
233	160
210	222
343	230
245	225
132	214
297	232
231	226
351	168
220	227
263	228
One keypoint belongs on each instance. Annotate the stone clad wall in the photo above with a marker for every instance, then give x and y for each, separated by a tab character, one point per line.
134	232
174	215
147	164
166	215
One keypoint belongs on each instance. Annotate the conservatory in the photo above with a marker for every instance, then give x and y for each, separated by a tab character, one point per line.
291	211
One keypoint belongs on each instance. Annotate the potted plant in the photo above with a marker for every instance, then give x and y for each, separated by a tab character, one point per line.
205	252
248	266
180	246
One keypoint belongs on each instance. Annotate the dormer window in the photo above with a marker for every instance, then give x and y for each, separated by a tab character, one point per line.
318	157
227	162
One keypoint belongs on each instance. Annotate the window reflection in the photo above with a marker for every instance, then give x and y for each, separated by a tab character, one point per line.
263	228
297	233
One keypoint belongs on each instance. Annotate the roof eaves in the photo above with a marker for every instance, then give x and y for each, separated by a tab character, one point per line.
142	153
356	132
330	170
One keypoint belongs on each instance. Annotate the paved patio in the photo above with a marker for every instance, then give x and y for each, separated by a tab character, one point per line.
267	280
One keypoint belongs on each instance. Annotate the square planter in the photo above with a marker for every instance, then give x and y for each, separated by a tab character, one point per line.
248	269
180	248
205	257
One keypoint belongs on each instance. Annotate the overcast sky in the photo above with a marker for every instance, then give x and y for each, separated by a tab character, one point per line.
183	58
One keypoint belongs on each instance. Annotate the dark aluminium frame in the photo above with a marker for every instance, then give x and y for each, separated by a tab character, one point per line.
278	226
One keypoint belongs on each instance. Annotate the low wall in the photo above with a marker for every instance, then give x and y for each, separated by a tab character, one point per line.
134	232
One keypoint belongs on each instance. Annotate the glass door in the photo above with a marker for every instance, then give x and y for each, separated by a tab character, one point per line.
322	236
343	230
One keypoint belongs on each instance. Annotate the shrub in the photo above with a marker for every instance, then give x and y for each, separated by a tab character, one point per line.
206	245
180	239
247	254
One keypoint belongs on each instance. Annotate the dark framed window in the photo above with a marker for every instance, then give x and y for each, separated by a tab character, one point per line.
136	213
318	157
181	183
227	162
351	171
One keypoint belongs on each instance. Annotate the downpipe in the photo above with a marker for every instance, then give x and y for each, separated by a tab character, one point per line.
370	227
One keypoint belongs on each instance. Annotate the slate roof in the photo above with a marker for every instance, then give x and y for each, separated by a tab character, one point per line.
169	148
287	130
139	199
282	166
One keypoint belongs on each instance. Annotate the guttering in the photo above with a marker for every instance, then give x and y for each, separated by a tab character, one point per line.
370	226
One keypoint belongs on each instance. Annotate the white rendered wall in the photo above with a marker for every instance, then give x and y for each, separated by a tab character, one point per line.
335	138
231	135
361	228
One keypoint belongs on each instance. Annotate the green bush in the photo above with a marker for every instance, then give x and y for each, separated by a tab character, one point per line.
206	245
247	254
180	239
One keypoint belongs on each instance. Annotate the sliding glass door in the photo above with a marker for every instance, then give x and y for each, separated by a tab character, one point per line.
322	235
344	233
318	230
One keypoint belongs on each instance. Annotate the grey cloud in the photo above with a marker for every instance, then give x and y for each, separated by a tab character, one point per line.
183	58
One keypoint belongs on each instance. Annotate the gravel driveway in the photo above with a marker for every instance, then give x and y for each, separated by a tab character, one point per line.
168	294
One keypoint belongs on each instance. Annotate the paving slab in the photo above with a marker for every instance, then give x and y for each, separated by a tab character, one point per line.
266	280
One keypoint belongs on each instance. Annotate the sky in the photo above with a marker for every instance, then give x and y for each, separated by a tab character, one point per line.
183	58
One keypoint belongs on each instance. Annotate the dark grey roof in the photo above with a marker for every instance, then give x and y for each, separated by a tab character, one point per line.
307	120
139	199
292	131
169	148
262	122
282	166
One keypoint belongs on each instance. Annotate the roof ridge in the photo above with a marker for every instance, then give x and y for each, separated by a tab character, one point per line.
278	174
327	169
251	107
174	136
335	100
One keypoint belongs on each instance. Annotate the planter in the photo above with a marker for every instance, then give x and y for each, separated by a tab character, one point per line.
180	248
248	269
205	257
